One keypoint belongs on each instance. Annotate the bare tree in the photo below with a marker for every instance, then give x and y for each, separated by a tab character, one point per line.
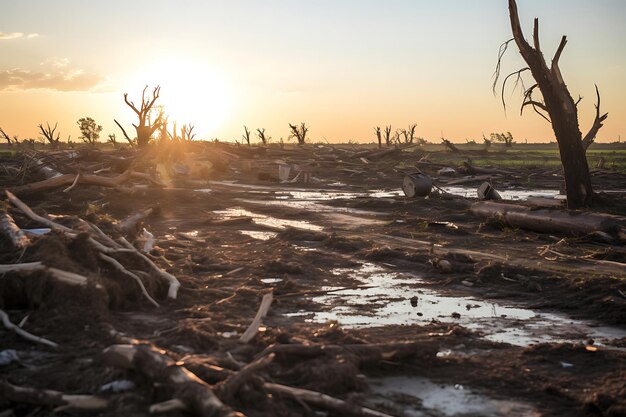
49	132
145	127
556	106
379	136
388	138
409	136
6	137
299	132
186	133
262	137
506	138
246	134
113	140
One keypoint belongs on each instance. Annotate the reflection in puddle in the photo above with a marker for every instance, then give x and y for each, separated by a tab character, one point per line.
397	298
506	194
259	235
430	399
264	220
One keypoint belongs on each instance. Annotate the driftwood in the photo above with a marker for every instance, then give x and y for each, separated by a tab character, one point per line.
72	180
119	267
195	394
231	386
113	249
322	400
45	397
253	329
18	238
466	180
549	221
4	317
67	277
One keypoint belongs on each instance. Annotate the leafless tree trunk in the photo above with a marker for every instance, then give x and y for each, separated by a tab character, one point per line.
379	136
48	133
261	134
388	138
561	109
299	132
246	134
186	133
145	127
6	137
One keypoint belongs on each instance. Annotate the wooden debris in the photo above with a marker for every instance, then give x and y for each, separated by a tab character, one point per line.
230	386
253	329
194	393
548	221
322	400
118	266
18	238
45	397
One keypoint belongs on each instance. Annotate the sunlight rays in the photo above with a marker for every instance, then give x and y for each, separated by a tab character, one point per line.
191	92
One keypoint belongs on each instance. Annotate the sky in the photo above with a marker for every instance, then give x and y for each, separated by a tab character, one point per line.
341	66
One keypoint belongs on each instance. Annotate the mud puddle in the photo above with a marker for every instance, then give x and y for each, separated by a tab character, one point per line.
417	397
395	298
268	221
506	194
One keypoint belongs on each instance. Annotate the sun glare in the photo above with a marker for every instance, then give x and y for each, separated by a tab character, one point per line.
191	92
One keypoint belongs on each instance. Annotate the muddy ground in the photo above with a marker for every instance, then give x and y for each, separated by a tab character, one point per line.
511	322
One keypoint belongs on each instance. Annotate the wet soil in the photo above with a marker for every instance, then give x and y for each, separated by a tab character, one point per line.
513	322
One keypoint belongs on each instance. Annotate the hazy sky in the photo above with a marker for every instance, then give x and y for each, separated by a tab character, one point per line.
341	66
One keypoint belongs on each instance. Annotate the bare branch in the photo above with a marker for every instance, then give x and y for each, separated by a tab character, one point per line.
496	73
516	73
555	61
597	124
536	35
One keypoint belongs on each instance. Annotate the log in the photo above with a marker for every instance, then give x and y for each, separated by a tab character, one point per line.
548	220
85	179
194	393
45	397
253	329
229	388
324	401
130	223
119	267
18	238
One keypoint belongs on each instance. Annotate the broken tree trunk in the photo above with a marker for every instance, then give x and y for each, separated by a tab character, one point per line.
324	401
196	394
549	221
45	397
561	108
18	238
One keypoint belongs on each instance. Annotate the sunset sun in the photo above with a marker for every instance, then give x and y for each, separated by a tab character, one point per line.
191	92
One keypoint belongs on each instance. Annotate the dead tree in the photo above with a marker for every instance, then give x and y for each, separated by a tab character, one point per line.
557	107
145	127
299	132
186	133
246	134
131	142
449	145
261	134
6	137
411	133
379	136
388	138
49	132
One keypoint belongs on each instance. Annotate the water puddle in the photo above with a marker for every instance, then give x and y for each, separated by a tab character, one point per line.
268	221
420	397
400	299
506	194
259	235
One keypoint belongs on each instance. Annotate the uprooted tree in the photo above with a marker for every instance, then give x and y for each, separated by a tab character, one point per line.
145	127
557	107
506	138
